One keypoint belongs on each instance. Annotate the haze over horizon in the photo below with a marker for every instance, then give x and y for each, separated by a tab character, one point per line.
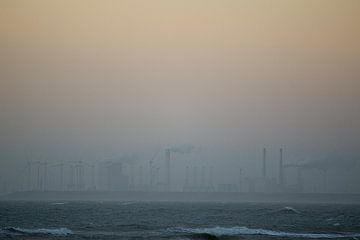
92	80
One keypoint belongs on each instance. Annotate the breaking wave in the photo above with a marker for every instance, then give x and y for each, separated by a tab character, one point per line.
235	231
40	231
287	210
58	203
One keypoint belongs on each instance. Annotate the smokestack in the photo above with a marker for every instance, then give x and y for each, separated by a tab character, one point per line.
72	178
300	179
62	175
167	167
77	174
45	176
202	176
240	179
264	163
325	180
151	174
132	180
187	177
79	171
211	176
93	176
141	176
29	175
281	168
195	177
38	176
157	177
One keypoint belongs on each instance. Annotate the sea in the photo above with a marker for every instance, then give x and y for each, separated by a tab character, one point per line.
177	220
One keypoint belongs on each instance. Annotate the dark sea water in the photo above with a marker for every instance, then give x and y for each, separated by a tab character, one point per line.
138	220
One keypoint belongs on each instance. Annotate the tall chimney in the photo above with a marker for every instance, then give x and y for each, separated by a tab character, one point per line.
240	180
211	177
202	176
195	177
38	176
140	176
300	179
157	178
45	176
93	186
151	175
281	174
167	167
62	175
29	175
264	163
187	178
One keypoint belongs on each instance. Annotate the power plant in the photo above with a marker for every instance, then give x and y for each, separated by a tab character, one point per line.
175	171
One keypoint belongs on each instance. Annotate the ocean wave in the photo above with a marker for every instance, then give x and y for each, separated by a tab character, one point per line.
287	210
127	203
39	231
58	203
235	231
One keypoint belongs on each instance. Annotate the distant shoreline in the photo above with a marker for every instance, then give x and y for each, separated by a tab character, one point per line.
314	198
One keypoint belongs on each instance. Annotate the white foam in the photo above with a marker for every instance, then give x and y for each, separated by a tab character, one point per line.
127	203
290	209
233	231
58	203
49	231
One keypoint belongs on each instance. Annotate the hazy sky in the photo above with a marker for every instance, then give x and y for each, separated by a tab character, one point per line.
126	75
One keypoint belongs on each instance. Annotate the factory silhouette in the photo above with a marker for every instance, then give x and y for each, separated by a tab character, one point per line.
129	173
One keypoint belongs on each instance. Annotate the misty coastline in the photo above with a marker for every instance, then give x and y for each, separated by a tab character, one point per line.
179	120
308	198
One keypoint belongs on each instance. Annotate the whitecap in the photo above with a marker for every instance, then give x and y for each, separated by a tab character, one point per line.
233	231
45	231
58	203
127	203
288	210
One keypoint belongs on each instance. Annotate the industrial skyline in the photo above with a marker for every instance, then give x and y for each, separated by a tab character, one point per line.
132	173
179	119
84	83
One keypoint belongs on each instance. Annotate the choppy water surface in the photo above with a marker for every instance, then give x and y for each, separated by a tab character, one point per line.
132	220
